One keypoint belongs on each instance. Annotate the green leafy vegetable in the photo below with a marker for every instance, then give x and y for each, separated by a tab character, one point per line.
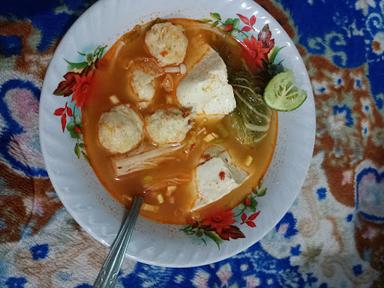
251	119
72	131
261	192
273	54
85	156
76	65
77	150
90	59
213	236
236	23
202	232
216	16
272	67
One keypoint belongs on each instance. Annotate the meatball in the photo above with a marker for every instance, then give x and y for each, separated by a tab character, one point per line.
167	126
167	43
120	129
143	83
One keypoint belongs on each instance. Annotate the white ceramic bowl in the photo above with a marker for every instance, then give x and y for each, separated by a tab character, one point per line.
89	203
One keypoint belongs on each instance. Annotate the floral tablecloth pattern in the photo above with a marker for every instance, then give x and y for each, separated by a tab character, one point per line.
333	236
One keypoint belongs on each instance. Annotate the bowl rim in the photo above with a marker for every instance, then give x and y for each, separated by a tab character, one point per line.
77	217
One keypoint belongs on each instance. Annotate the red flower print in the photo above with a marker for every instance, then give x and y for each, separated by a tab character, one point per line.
65	87
206	157
265	36
247	201
255	51
249	22
82	87
77	129
230	232
219	221
246	29
228	28
249	220
63	113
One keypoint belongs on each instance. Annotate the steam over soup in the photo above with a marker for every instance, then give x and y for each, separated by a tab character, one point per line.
167	114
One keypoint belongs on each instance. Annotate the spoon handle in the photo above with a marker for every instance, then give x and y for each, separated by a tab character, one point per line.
108	274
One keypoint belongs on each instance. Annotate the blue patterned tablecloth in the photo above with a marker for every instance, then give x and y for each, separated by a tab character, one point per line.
333	235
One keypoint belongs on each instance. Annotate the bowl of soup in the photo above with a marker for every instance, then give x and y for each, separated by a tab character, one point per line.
206	110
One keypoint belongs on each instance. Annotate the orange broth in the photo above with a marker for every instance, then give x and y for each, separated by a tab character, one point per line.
112	78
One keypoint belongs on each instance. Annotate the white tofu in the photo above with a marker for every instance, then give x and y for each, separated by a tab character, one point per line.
217	177
143	83
205	88
120	129
167	43
167	126
214	181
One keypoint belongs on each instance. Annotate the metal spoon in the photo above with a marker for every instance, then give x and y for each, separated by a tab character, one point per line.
109	271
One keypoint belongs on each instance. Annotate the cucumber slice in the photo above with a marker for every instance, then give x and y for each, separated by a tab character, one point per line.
281	93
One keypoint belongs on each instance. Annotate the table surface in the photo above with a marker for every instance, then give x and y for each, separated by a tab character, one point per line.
332	236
